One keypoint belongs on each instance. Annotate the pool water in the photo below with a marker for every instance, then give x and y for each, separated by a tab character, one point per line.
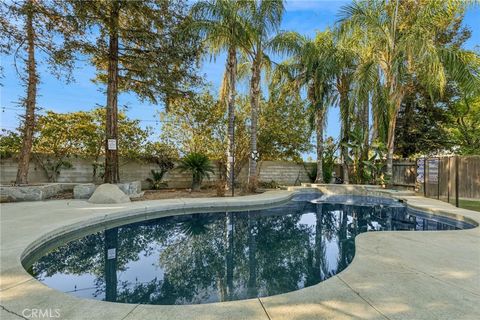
211	257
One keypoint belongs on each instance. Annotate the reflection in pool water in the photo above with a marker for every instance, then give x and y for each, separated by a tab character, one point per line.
211	257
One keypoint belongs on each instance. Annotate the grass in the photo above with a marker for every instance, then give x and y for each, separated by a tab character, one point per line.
465	204
470	204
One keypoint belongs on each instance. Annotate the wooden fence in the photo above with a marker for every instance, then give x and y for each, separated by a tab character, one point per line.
443	178
449	177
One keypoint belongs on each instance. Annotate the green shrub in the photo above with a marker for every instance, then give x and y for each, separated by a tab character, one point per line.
312	173
200	167
270	185
328	162
156	180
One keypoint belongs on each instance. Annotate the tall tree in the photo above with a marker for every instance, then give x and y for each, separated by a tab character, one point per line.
466	127
264	17
424	121
29	29
147	47
222	29
311	67
344	61
200	125
403	36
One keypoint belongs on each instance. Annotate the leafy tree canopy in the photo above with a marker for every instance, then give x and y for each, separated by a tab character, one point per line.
199	125
465	128
61	136
157	51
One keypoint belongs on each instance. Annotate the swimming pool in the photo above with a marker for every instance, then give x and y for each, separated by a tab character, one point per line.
211	257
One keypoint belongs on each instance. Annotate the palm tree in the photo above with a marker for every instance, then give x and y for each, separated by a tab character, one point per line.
200	167
344	59
221	26
311	66
264	17
404	46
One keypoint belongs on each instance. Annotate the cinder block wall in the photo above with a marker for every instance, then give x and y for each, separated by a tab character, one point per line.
286	173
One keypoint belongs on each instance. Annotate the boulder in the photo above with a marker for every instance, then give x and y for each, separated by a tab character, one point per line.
108	193
38	192
23	193
83	191
133	189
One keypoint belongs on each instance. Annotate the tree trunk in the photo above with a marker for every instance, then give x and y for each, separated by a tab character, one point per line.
377	98
111	154
391	134
29	122
408	114
196	184
366	133
374	117
232	71
319	120
390	147
254	101
345	116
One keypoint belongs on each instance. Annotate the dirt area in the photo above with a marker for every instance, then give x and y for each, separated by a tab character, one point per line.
62	195
182	193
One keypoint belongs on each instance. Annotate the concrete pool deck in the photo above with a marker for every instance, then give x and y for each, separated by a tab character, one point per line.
394	275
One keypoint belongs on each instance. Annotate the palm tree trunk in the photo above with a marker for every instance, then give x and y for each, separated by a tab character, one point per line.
390	146
319	120
409	109
396	100
344	155
345	117
232	72
366	133
254	101
111	154
375	116
29	125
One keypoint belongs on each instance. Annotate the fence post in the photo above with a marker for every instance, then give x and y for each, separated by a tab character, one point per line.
456	182
438	178
425	170
449	183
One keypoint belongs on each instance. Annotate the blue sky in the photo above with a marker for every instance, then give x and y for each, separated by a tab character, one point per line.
302	16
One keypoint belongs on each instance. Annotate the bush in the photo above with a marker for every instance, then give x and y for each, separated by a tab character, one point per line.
156	180
328	162
327	166
270	185
200	167
164	156
312	173
10	143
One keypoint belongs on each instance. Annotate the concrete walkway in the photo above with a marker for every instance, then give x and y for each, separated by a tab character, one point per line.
394	275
